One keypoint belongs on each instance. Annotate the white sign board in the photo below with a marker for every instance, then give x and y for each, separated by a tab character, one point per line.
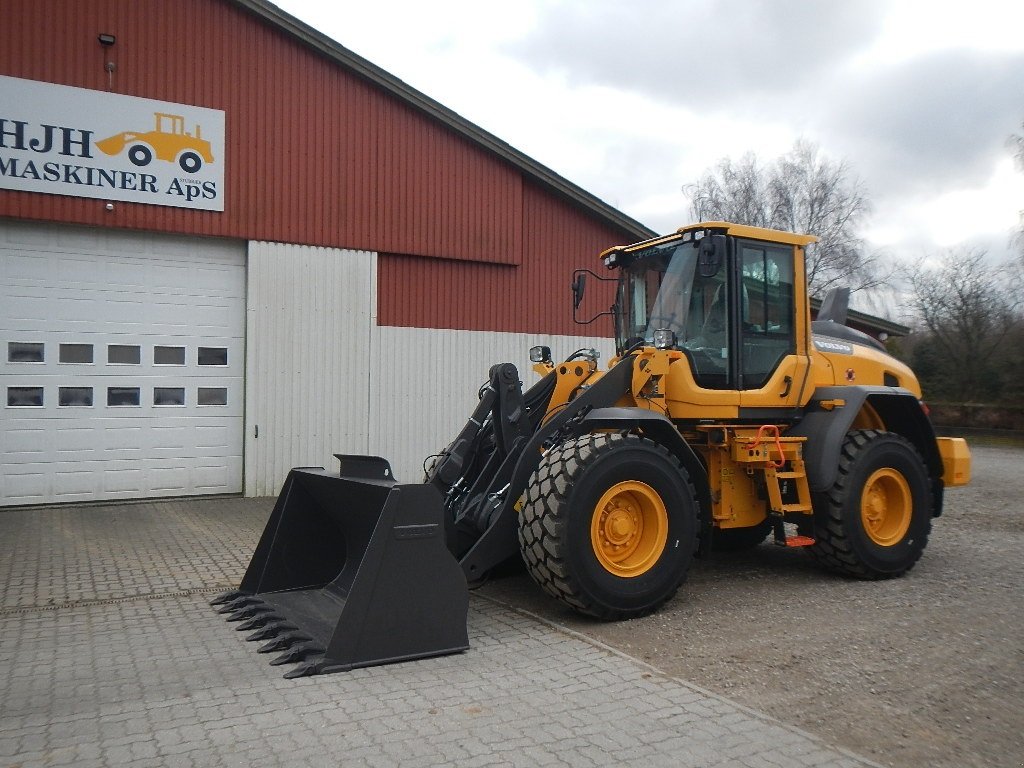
61	140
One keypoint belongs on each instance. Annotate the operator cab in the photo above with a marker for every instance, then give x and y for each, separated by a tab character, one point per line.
727	301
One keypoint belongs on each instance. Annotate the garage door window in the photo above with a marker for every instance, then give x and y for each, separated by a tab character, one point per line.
24	352
212	396
168	355
213	356
25	397
122	396
75	353
75	397
168	395
124	354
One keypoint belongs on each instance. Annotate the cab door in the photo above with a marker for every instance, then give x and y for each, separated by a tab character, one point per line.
770	337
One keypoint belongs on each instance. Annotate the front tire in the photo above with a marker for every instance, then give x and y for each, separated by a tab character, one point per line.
875	520
190	162
140	155
609	525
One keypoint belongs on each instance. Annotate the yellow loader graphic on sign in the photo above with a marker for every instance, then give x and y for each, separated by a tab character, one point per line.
168	141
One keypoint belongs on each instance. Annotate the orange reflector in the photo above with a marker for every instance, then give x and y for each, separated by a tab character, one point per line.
799	541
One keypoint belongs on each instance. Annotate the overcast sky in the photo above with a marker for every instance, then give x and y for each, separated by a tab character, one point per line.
632	101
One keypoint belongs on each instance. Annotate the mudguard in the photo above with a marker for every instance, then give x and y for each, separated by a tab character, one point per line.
826	428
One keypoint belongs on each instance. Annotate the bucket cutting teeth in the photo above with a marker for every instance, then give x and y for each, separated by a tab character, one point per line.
226	597
238	602
284	642
249	612
298	653
272	629
258	620
304	669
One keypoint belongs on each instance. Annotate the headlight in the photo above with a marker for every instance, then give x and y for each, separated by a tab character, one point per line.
540	354
664	338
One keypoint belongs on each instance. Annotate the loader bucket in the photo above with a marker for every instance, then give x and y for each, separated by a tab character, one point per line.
352	570
113	144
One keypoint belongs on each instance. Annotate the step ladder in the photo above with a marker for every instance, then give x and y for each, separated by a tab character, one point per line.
779	459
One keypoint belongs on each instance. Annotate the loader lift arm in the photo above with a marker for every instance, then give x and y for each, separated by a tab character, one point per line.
484	472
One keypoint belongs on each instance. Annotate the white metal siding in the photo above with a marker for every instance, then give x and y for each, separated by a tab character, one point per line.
309	319
72	285
322	378
426	383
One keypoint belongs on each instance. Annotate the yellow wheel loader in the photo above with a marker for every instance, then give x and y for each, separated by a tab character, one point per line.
167	141
727	416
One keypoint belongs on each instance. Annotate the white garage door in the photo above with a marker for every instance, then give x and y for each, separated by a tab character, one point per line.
121	360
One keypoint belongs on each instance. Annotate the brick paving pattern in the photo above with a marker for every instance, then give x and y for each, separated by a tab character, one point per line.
110	656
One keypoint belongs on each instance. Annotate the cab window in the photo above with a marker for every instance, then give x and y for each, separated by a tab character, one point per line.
767	311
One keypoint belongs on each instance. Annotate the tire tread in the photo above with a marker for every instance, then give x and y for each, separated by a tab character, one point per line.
833	547
543	535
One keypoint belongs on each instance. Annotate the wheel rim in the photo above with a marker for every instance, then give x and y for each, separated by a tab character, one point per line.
886	506
629	529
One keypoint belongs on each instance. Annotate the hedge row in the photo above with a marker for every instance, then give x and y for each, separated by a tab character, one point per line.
977	416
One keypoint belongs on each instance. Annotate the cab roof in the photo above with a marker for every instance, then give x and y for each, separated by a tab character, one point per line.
725	228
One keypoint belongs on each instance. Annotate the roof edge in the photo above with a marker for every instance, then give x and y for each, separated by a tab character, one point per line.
872	321
364	68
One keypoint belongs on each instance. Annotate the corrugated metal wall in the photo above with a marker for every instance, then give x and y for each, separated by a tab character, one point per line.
315	154
318	155
426	384
534	297
323	378
309	328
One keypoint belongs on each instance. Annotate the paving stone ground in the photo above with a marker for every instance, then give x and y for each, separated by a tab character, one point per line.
110	656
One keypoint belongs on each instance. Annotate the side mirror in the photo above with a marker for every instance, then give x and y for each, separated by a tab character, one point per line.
579	286
710	255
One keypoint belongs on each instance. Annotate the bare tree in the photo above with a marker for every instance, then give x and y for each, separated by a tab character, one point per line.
969	309
1016	143
801	191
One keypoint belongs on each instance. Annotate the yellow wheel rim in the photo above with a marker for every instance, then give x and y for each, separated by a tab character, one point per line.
629	529
886	507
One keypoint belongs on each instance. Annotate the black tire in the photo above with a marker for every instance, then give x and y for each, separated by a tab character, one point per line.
563	513
140	155
739	539
190	162
875	520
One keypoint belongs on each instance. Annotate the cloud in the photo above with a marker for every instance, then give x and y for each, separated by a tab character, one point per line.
937	120
708	52
918	109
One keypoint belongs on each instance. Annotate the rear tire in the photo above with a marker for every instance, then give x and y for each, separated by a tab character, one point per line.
609	525
875	520
190	162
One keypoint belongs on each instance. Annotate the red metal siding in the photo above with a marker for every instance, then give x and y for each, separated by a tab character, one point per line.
531	298
318	155
315	154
